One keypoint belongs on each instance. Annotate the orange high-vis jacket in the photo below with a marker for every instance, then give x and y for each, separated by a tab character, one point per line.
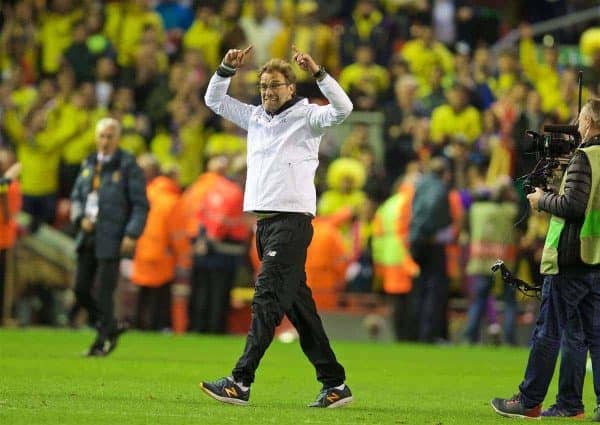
326	263
8	225
453	252
163	244
221	211
191	198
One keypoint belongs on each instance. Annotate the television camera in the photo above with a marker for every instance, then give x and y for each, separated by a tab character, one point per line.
553	149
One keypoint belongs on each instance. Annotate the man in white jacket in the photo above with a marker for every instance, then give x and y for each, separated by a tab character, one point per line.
283	144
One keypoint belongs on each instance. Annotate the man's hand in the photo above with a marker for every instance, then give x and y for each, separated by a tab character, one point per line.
304	61
128	246
13	172
534	198
235	58
87	225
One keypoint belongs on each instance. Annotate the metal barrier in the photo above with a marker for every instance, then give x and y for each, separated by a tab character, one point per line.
46	256
547	26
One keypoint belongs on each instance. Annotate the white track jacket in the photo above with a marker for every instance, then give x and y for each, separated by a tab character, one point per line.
283	149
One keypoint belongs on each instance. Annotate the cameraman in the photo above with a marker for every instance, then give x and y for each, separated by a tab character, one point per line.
571	265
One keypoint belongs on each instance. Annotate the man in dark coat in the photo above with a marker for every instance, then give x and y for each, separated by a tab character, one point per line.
109	207
430	231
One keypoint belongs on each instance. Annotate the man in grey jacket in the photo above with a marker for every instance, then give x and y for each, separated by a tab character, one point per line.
284	133
109	207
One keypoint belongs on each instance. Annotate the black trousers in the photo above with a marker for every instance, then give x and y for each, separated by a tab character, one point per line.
210	297
404	329
153	311
282	242
100	306
430	293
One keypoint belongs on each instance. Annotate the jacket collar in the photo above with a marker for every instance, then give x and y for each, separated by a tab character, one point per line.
593	141
286	106
114	159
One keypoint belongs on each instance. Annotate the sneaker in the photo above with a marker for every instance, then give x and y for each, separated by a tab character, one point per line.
557	412
495	332
332	397
96	349
111	343
514	408
227	391
596	417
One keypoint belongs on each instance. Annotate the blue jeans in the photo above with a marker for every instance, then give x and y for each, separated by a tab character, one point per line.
482	286
573	356
570	302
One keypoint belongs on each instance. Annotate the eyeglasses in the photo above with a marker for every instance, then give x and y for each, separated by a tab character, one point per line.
274	85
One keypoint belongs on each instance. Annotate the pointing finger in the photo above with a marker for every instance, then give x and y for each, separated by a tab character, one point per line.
247	49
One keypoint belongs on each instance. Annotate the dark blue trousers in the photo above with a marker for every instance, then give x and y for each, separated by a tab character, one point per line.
482	286
571	307
573	357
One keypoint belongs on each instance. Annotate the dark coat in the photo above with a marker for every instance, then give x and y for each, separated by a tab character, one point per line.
430	210
571	206
123	206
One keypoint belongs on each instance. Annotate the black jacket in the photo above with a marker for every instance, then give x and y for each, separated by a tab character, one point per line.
571	206
123	206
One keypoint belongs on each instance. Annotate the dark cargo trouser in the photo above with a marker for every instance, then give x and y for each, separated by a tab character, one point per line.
282	242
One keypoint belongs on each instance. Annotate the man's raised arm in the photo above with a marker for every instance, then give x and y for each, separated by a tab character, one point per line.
340	105
216	97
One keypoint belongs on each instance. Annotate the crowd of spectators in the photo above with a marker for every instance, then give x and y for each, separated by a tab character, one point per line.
454	111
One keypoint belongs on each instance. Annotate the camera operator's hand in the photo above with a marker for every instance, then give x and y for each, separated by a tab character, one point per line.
534	198
235	58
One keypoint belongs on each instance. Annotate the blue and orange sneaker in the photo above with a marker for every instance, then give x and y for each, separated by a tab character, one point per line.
333	397
555	411
514	408
226	391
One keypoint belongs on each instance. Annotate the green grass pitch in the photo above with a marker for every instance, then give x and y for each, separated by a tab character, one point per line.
153	379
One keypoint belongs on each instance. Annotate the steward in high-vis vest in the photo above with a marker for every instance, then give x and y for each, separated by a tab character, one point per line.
161	261
492	235
391	256
571	290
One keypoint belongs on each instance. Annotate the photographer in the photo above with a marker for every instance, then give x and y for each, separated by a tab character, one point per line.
571	265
